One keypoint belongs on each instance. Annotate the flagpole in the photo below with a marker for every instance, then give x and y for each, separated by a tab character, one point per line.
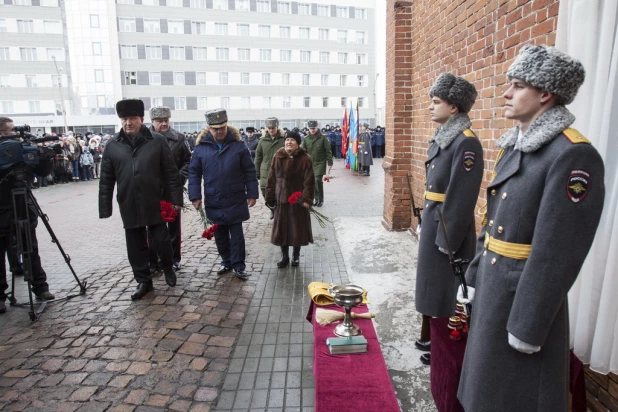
357	136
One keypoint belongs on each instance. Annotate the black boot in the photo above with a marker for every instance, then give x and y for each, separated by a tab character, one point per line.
141	290
285	257
295	255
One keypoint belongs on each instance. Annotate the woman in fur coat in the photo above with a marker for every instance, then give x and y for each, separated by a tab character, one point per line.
291	171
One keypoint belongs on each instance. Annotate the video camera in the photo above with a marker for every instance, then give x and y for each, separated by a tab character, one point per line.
21	147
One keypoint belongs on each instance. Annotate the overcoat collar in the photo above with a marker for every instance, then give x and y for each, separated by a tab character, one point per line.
447	133
298	152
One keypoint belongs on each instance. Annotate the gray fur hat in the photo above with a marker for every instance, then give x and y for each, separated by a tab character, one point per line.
272	122
548	69
454	90
160	112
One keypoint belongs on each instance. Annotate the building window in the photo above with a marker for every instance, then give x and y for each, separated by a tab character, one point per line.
265	55
323	11
284	32
220	5
306	78
28	53
324	57
342	12
25	26
266	102
179	78
283	7
324	101
56	80
3	28
264	31
34	106
306	101
304	32
152	26
361	102
324	80
176	27
265	78
342	79
94	20
304	9
286	55
51	26
7	106
49	3
223	77
150	2
174	3
126	1
242	29
361	81
200	78
4	54
198	4
263	6
287	102
344	102
360	13
342	58
245	102
198	27
98	76
126	25
180	103
199	53
360	37
244	54
242	5
154	78
244	78
223	53
323	34
285	79
225	102
221	29
305	56
31	80
129	78
202	103
153	52
5	80
156	101
22	2
361	58
177	53
96	49
342	36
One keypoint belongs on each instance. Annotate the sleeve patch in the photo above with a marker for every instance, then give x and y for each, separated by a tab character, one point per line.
469	160
577	185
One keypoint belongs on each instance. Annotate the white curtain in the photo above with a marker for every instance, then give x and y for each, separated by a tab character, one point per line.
587	31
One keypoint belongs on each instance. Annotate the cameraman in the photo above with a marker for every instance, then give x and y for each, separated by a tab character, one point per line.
39	279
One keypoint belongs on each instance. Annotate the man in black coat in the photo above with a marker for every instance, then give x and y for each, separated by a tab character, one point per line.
251	140
160	117
142	164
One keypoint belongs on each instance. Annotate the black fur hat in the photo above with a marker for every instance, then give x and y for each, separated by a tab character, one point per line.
293	135
454	90
130	107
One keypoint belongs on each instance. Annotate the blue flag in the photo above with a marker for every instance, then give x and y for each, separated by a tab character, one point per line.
353	147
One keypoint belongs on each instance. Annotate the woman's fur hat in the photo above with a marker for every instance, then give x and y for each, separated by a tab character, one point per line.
549	69
454	90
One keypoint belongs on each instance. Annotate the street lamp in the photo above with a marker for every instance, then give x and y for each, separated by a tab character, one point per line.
64	112
375	103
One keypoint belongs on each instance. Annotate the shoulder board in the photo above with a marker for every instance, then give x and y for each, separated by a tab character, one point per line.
575	136
469	133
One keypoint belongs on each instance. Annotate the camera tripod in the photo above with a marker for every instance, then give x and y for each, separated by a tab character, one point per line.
21	231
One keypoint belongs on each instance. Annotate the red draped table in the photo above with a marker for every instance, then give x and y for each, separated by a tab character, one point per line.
350	383
447	359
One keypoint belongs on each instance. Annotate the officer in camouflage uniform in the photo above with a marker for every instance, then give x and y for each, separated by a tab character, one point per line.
318	147
272	140
543	208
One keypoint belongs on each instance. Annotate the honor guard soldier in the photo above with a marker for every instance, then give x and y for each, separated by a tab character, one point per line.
543	208
454	171
272	140
365	154
181	153
318	147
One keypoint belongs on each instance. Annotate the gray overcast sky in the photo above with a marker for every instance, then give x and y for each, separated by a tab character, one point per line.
381	52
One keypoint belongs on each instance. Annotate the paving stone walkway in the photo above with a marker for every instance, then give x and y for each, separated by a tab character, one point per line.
212	343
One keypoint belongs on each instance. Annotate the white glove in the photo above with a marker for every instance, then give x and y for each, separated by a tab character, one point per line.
418	232
521	346
460	296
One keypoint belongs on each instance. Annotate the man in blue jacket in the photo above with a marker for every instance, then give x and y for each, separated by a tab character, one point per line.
223	161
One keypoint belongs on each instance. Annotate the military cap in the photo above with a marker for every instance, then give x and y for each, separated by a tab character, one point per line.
250	129
366	125
312	123
130	107
454	90
216	118
549	69
272	122
160	112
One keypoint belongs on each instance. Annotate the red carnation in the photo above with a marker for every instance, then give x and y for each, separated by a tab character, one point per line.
326	179
294	197
168	213
210	232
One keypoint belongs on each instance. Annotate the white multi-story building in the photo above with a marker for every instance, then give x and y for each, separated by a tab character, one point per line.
256	58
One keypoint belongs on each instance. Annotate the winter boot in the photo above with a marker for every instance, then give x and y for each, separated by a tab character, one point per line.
285	257
295	255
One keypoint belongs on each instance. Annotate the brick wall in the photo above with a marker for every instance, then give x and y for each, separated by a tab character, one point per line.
476	39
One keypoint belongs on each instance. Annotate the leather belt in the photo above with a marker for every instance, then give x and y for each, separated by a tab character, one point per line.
517	251
436	197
